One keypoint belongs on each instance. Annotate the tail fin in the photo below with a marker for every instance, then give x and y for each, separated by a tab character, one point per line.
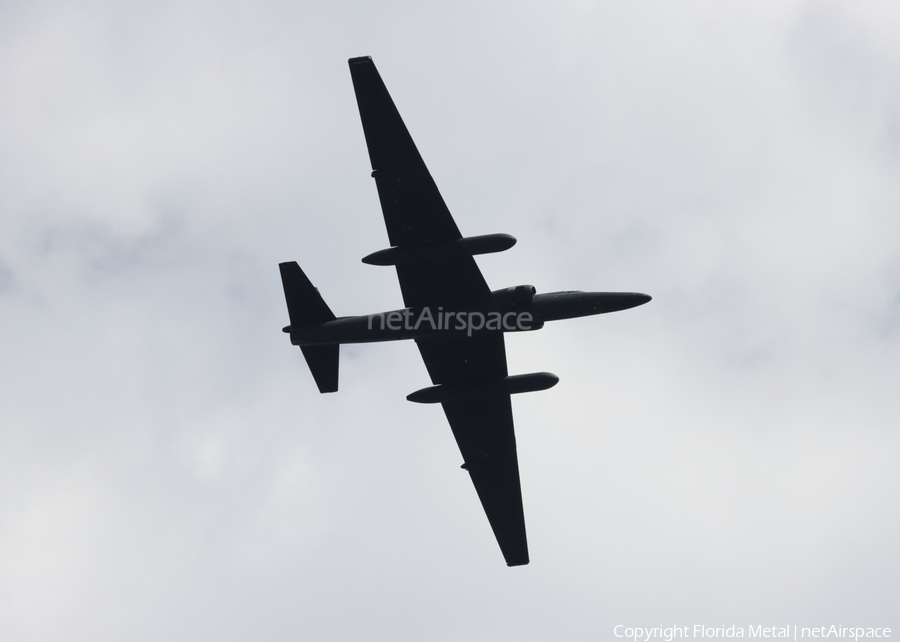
323	363
307	307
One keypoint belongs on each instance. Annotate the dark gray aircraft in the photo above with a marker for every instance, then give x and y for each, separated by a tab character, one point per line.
454	318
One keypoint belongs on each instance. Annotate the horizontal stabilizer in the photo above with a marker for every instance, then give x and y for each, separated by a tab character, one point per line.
305	305
480	389
323	363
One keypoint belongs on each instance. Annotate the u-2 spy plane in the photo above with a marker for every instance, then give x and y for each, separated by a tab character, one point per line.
455	319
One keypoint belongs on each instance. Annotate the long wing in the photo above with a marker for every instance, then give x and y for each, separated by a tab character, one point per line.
414	211
484	432
416	216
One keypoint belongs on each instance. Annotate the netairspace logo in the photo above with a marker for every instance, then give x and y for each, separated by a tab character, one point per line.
446	320
789	632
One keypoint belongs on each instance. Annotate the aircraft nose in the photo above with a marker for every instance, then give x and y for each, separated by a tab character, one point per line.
641	299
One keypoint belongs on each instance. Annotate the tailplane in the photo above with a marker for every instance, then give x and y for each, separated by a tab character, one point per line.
323	363
307	307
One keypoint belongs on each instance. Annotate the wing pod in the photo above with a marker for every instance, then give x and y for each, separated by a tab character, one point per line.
481	389
468	246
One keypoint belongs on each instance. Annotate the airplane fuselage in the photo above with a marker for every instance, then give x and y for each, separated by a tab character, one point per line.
491	315
456	320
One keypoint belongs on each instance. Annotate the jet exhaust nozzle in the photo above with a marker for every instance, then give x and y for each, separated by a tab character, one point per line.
514	384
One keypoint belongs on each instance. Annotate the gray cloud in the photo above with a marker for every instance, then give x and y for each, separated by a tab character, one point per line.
725	454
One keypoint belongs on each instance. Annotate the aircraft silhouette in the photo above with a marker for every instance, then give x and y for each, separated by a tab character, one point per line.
456	321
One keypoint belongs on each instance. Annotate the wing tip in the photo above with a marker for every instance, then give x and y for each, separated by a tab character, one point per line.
361	60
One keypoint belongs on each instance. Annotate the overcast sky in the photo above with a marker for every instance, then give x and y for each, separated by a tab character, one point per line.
727	454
